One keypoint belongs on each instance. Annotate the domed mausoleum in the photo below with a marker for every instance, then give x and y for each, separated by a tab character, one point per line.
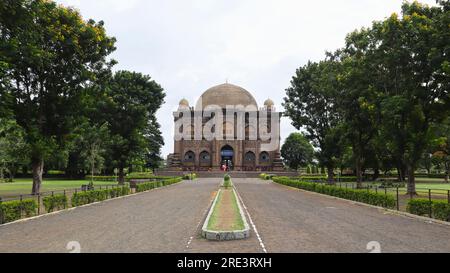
239	147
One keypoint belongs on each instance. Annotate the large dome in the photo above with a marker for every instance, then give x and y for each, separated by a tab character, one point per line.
226	94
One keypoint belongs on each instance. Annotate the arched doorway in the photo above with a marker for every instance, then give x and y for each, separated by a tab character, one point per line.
227	156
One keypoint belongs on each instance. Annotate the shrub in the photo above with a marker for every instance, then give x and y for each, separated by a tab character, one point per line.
439	209
13	210
153	185
191	176
364	196
88	197
55	202
263	176
419	206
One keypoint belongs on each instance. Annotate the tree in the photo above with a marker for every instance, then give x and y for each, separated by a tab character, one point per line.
130	111
441	147
51	55
358	100
311	104
13	149
297	151
410	60
92	139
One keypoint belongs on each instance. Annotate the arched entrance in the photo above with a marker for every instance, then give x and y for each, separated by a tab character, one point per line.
227	156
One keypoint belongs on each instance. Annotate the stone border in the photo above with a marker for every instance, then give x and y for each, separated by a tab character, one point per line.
392	211
226	235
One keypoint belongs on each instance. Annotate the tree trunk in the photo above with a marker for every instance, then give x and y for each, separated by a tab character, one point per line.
376	174
447	171
121	176
330	171
38	169
411	181
358	173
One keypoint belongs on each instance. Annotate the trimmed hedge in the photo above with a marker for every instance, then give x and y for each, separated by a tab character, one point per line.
88	197
264	176
55	202
364	196
439	209
157	184
191	176
14	210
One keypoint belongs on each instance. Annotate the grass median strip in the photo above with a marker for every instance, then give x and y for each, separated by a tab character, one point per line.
226	215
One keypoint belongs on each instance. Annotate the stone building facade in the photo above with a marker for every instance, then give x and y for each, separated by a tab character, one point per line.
240	147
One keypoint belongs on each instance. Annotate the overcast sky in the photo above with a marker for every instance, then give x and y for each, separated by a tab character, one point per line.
188	46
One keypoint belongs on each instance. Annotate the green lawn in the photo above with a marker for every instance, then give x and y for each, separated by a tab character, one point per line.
23	186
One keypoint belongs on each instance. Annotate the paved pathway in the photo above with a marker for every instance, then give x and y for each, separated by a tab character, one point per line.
168	220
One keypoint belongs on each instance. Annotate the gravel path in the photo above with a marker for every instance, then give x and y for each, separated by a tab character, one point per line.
290	220
169	220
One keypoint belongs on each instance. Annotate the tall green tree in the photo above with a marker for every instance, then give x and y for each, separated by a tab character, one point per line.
51	55
133	100
411	60
13	149
297	151
311	103
358	99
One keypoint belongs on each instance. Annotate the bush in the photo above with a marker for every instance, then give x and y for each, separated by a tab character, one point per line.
55	202
191	176
264	176
439	209
419	206
13	210
88	197
153	185
227	181
364	196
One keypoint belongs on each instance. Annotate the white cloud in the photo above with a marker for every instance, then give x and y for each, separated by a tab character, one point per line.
189	46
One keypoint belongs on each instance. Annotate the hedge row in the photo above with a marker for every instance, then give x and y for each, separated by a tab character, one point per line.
88	197
157	184
364	196
11	211
191	176
264	176
439	209
55	202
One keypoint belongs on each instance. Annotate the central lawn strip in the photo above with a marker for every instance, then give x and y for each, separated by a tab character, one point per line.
226	215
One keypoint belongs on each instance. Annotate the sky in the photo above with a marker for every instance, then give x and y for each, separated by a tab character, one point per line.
190	46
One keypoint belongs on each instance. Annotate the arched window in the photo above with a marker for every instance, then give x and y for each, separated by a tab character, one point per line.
250	158
264	157
205	157
189	157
